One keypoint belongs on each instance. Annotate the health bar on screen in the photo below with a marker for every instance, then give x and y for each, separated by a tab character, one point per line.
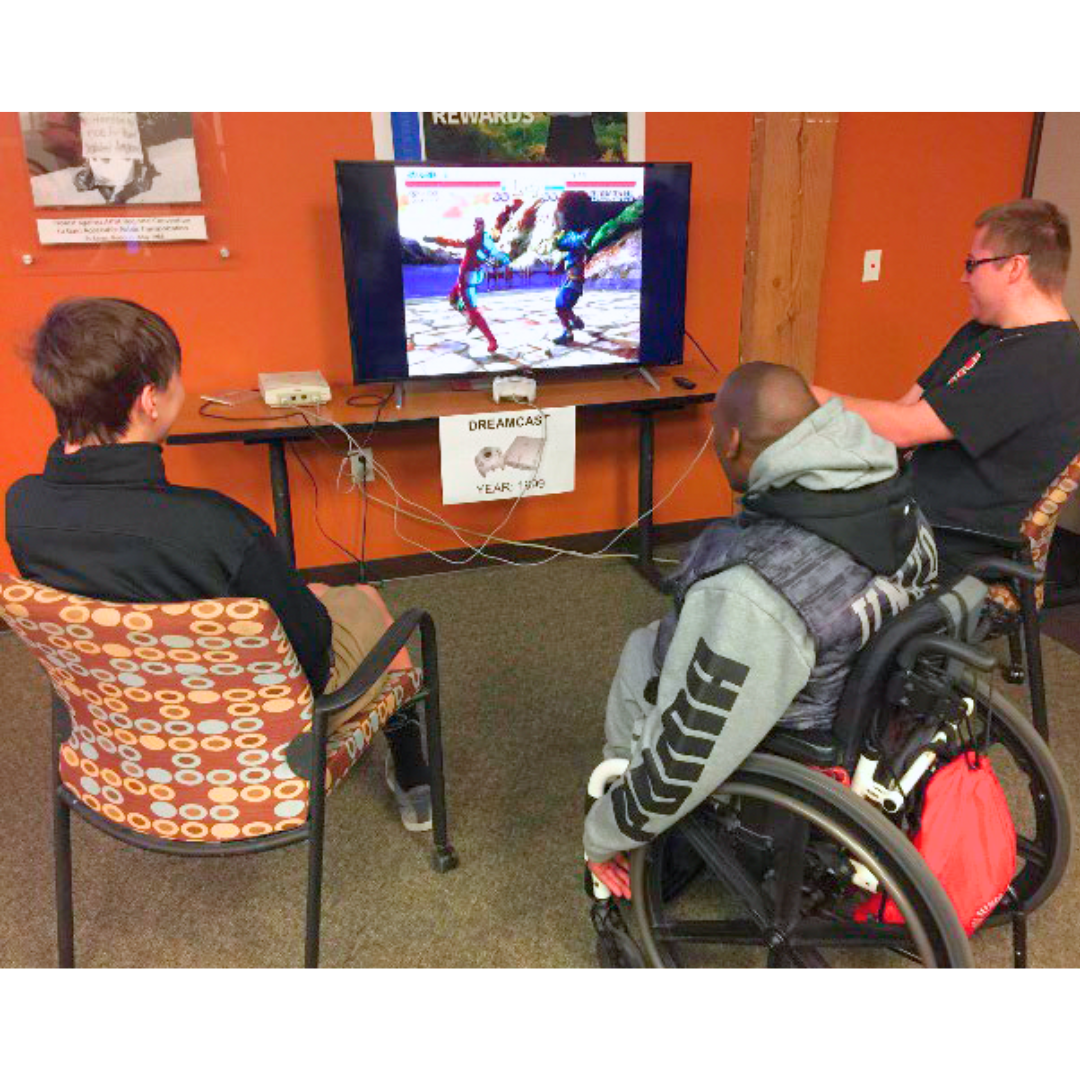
453	183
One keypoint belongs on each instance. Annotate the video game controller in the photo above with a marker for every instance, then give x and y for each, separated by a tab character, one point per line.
513	388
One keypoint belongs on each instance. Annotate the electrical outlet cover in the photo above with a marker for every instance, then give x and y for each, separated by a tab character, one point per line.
362	466
872	266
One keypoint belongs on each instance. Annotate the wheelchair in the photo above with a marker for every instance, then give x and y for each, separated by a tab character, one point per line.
779	861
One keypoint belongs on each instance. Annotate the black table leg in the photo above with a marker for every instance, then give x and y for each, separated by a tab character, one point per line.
646	437
279	486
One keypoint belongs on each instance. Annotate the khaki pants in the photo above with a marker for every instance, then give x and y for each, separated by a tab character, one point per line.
359	619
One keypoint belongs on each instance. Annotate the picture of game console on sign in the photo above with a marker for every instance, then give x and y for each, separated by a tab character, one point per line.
507	455
515	268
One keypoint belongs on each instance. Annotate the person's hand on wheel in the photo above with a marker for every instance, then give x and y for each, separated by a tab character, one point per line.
615	874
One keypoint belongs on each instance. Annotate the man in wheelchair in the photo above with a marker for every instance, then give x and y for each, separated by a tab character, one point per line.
803	847
772	606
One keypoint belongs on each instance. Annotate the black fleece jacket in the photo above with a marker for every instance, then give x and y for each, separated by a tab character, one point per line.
104	522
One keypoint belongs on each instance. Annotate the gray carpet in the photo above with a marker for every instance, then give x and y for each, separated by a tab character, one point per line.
526	657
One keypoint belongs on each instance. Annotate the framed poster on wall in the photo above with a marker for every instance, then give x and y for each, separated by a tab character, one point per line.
109	192
110	158
475	137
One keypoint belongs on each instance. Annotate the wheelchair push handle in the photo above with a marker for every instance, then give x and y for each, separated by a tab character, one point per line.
604	774
943	646
993	567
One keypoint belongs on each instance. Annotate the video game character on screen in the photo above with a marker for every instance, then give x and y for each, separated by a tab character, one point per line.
513	248
480	252
572	214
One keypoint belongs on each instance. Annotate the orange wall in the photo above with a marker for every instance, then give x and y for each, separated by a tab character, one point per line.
907	184
910	184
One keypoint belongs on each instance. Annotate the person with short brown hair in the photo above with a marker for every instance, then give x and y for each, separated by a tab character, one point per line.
1037	229
994	419
93	357
103	521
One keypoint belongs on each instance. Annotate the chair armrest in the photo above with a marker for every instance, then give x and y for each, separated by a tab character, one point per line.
375	663
1009	543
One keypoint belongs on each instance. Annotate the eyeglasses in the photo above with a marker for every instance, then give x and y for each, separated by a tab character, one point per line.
970	264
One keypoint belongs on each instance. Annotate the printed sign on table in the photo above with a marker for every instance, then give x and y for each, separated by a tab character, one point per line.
504	455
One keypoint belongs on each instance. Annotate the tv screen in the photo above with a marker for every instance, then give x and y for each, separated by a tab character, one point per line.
455	270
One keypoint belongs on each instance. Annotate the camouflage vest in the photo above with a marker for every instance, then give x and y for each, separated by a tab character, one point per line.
842	602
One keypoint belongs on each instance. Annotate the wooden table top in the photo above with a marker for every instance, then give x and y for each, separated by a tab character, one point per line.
426	401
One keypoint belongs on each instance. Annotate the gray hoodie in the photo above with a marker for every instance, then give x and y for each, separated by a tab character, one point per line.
739	653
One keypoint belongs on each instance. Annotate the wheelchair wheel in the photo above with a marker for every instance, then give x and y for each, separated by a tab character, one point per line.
777	842
1036	794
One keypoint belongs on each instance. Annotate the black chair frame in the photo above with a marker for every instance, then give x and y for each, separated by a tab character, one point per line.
1025	648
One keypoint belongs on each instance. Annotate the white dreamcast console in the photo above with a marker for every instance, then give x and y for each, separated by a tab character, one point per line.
283	388
513	388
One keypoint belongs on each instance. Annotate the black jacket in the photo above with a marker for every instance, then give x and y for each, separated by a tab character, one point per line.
104	522
877	525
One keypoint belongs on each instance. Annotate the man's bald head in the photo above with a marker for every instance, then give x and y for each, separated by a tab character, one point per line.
758	404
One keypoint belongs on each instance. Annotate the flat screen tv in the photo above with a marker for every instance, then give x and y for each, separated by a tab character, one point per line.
458	270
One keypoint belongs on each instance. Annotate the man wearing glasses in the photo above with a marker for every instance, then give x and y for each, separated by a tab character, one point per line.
996	416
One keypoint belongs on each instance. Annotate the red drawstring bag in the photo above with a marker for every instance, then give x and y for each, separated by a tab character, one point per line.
968	840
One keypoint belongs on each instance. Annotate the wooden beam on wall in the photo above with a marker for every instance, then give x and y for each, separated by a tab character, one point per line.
791	170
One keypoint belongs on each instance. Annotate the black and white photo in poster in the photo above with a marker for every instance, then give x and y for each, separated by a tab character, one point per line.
110	158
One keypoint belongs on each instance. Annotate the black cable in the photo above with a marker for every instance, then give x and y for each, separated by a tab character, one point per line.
375	422
318	523
363	533
381	403
701	350
315	431
246	419
356	399
363	489
362	560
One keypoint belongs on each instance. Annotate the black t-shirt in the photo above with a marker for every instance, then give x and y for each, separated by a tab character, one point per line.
104	522
1011	398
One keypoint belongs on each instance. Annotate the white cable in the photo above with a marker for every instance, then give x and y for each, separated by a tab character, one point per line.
434	518
355	447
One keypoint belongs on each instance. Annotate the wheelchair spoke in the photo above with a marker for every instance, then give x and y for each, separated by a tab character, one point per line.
711	931
801	948
723	863
831	934
806	958
1031	852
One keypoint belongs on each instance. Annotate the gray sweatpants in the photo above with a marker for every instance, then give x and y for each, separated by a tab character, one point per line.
626	706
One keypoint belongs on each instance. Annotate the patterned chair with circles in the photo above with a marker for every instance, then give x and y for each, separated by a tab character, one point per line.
190	728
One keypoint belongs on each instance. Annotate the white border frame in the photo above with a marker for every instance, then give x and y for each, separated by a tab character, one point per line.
383	135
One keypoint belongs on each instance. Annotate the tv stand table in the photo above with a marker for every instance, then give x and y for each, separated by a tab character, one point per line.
424	403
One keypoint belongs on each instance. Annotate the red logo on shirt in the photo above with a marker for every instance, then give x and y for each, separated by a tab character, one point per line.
965	368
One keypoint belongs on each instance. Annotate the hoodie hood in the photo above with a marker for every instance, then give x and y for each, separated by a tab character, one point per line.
834	477
833	449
